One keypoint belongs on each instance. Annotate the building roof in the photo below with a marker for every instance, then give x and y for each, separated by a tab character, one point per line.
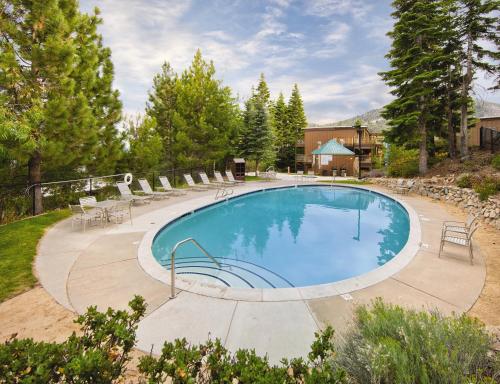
333	148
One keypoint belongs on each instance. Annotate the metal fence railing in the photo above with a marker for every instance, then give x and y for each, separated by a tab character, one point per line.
17	199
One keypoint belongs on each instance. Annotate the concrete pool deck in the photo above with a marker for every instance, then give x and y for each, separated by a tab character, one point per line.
100	267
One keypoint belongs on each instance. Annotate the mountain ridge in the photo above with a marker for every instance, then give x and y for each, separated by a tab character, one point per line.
377	123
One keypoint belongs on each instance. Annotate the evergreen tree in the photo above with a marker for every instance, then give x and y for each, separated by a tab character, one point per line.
296	119
263	91
38	57
416	72
145	144
478	23
162	107
285	144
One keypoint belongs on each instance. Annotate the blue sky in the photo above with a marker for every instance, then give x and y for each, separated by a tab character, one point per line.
332	49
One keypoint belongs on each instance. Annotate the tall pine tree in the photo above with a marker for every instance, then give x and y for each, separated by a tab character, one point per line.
285	145
416	44
478	23
46	81
296	118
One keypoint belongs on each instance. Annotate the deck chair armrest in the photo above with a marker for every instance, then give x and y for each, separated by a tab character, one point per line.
455	223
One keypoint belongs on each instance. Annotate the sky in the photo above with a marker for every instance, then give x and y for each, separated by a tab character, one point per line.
333	49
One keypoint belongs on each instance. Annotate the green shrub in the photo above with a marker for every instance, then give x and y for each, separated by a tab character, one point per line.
402	162
212	363
99	355
495	162
465	181
487	187
389	344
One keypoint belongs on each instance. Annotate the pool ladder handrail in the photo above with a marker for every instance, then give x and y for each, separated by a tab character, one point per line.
172	261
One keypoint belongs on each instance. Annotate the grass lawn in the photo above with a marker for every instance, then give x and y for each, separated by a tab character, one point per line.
254	178
348	181
18	243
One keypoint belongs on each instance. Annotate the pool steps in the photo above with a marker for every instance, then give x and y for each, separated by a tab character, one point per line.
233	273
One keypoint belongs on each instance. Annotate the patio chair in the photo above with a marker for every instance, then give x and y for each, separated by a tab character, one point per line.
310	175
270	174
231	178
146	188
126	194
88	201
120	210
82	216
458	226
220	179
299	175
192	185
464	239
167	187
405	189
206	181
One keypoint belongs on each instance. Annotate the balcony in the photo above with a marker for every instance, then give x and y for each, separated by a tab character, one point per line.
299	158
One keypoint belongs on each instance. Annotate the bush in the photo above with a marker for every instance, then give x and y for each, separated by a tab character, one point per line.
487	187
389	344
495	162
99	355
402	162
465	181
212	363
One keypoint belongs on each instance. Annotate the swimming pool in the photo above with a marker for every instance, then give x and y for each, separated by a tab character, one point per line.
287	237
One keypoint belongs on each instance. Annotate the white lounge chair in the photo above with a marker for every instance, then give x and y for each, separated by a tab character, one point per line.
146	188
167	187
88	201
126	194
270	174
404	189
82	216
463	239
119	210
206	181
192	185
231	178
220	179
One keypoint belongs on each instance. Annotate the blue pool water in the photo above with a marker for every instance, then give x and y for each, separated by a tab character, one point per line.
288	237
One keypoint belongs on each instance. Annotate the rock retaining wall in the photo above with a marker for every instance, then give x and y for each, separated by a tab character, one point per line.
466	198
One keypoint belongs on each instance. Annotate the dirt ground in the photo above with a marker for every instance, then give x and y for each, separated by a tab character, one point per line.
35	314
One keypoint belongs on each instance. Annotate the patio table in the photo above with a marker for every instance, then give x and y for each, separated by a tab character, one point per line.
105	206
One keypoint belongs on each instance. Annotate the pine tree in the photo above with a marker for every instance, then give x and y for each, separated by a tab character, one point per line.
478	22
162	107
39	86
285	144
416	73
296	117
263	91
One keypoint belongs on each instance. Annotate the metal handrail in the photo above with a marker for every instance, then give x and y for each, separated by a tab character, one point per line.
172	261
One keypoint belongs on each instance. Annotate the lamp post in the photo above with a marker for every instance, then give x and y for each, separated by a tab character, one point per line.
359	129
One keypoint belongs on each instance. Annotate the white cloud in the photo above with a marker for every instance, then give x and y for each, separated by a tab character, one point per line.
327	8
338	33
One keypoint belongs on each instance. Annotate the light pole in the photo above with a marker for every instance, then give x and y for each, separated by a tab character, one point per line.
359	129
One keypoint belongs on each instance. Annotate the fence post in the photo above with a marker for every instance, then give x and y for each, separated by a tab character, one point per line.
33	200
154	181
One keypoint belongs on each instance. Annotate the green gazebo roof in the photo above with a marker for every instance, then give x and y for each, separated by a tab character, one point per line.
333	148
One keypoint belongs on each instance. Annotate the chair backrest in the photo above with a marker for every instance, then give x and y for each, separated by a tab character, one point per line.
470	220
76	209
88	201
189	180
204	178
145	186
472	229
300	173
310	173
165	183
218	177
124	189
229	175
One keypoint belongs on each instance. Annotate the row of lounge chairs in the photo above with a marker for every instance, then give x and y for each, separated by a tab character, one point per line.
91	211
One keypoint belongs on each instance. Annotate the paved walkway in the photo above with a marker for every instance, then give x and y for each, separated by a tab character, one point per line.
100	267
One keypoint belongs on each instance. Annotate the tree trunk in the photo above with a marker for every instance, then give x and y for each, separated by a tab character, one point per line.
35	178
452	141
467	79
423	155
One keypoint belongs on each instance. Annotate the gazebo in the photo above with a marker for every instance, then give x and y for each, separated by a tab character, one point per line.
324	156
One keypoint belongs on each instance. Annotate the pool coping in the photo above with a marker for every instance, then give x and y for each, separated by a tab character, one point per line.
150	265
